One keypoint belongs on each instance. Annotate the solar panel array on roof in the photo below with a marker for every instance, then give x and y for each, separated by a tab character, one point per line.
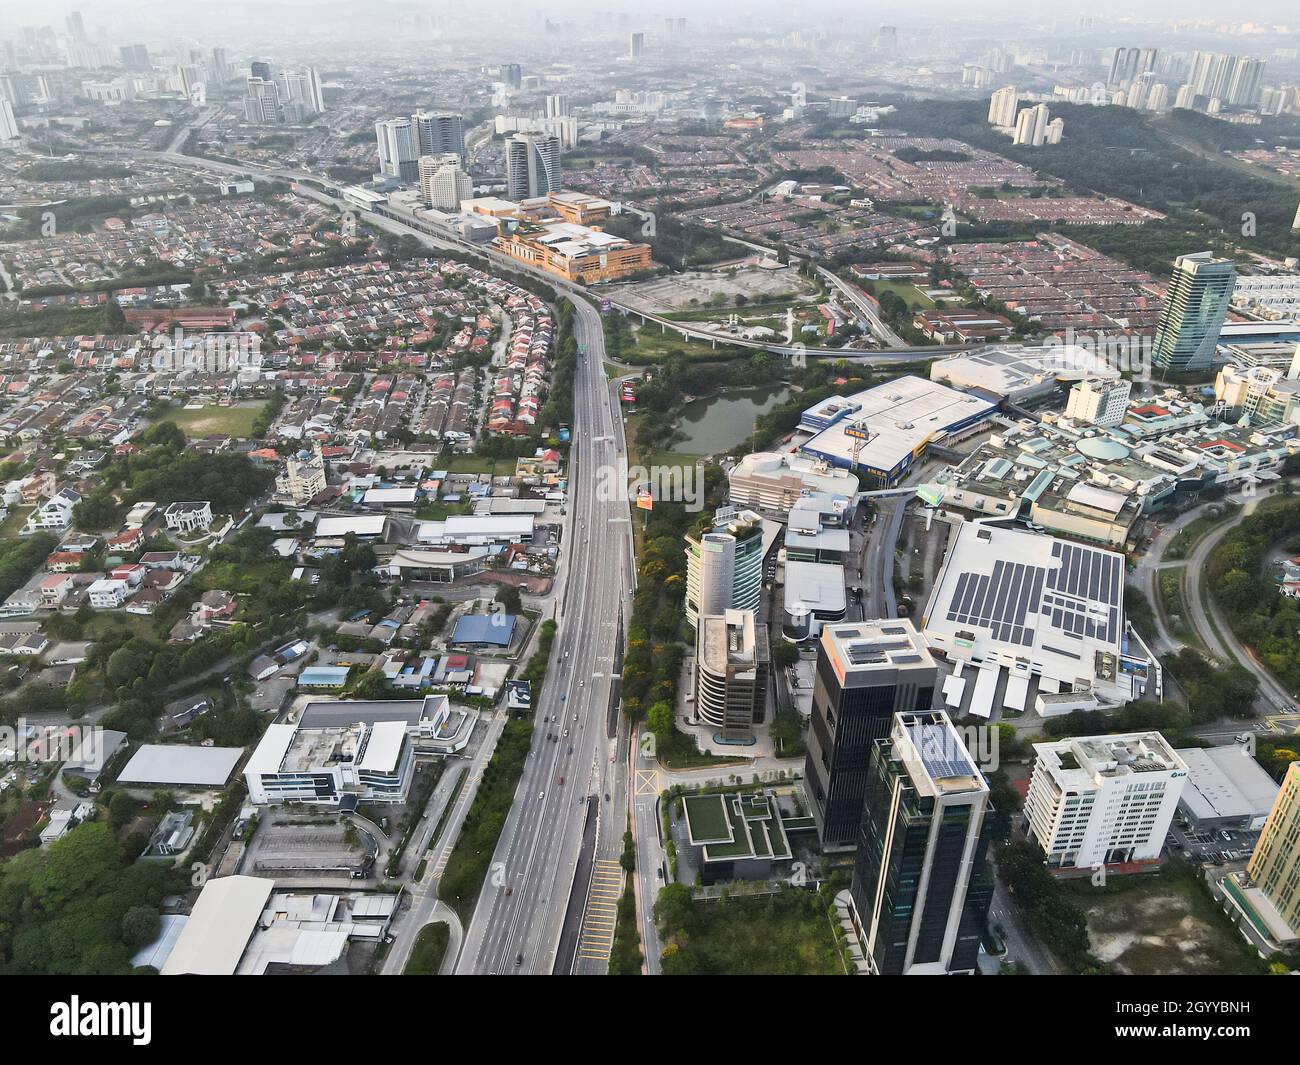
1081	597
1002	601
940	751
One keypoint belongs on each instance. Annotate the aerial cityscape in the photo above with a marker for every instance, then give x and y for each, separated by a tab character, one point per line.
649	491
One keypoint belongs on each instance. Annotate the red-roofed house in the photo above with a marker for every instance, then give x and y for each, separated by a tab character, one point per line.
131	540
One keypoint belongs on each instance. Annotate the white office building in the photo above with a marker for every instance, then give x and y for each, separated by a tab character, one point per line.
724	567
774	481
399	149
315	90
301	90
8	123
1101	403
731	670
1101	800
261	102
331	766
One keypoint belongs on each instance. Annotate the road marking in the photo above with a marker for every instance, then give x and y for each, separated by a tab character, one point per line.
647	782
620	521
596	936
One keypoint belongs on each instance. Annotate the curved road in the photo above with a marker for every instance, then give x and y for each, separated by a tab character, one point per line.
1210	623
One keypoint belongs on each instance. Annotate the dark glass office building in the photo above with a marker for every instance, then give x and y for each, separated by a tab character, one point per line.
921	885
867	672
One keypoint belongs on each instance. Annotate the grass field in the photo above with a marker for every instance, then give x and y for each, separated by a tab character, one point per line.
763	307
104	626
440	510
1186	539
652	345
234	421
15	520
785	935
909	294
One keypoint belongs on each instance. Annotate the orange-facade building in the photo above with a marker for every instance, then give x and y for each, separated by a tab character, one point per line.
576	253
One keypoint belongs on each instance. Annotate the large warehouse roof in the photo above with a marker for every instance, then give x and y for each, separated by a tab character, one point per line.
893	422
1019	373
220	925
476	528
1226	783
339	713
359	524
1021	595
389	496
174	763
494	629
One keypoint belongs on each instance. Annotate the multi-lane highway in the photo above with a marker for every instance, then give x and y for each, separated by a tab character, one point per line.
574	761
651	857
576	771
547	903
458	785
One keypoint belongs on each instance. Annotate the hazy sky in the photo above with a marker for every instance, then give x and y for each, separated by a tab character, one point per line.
108	12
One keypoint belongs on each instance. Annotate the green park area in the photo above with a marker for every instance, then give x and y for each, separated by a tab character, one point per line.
236	420
909	294
786	934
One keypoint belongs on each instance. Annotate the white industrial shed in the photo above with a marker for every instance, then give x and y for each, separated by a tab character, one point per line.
181	766
220	926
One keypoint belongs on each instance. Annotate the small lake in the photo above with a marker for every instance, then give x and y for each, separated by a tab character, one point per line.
717	424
